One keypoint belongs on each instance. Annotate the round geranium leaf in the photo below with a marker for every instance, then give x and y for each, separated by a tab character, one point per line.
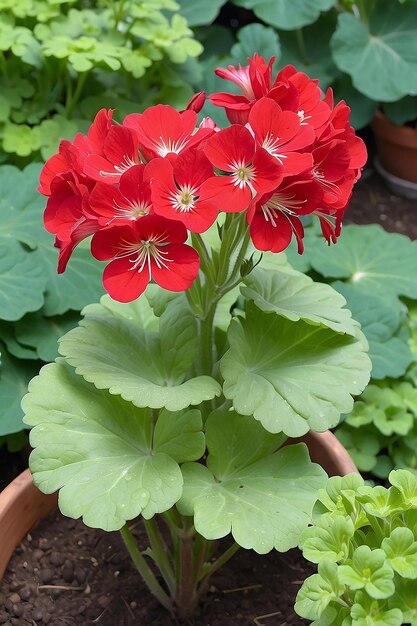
372	261
287	14
15	375
296	296
20	273
149	368
380	320
246	482
102	453
291	376
381	57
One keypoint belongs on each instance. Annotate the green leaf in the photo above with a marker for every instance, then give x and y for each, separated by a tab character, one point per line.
80	284
372	261
291	376
296	296
20	139
318	591
367	612
198	12
401	111
379	501
40	332
20	275
363	445
406	484
401	550
407	601
328	539
15	348
287	14
15	375
381	58
99	450
370	571
147	368
255	37
380	320
362	108
309	51
246	483
179	435
21	207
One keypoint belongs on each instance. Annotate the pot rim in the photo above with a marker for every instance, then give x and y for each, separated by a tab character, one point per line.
22	505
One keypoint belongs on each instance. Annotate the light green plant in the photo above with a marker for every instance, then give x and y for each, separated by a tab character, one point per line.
364	541
61	60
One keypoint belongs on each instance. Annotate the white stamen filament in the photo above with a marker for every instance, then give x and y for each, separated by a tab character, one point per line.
318	174
131	210
243	174
282	203
271	145
146	250
125	165
303	117
184	201
163	147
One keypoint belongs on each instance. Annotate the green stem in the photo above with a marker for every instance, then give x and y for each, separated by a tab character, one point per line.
160	553
206	348
144	569
218	563
82	77
186	595
301	45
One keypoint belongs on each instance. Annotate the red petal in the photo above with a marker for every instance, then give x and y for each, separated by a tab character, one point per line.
268	171
182	269
224	195
266	236
230	147
123	283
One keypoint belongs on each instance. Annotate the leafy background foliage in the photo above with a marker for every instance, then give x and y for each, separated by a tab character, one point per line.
60	62
365	50
364	540
36	305
376	273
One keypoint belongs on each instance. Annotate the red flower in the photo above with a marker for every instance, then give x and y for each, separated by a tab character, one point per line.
196	103
292	90
67	216
129	201
118	153
176	190
255	82
71	155
162	130
281	134
309	105
150	248
274	217
233	150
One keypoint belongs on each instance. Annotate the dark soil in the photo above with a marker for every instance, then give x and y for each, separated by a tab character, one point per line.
65	574
373	203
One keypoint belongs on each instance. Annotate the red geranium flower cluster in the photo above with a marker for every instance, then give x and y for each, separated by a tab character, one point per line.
140	186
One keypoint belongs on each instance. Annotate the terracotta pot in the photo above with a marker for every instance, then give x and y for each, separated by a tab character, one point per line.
397	147
22	505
